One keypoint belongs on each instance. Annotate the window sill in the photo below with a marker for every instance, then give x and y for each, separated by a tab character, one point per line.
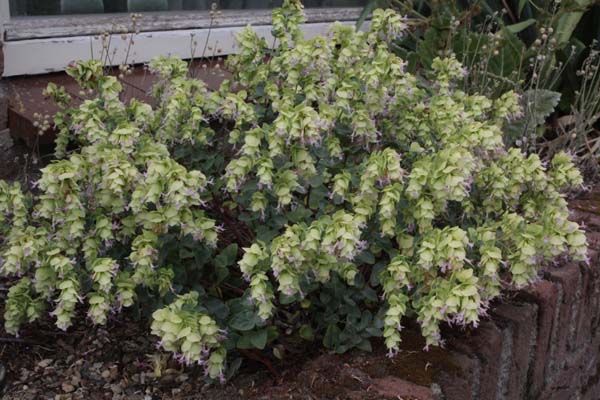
26	28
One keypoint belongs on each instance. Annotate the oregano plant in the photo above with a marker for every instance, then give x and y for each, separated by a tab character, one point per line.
322	191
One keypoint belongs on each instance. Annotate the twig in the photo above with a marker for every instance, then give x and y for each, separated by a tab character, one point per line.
509	11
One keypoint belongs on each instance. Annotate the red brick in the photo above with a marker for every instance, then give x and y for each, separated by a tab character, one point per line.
461	382
569	278
3	94
574	377
576	355
594	308
593	240
521	320
1	58
594	257
586	214
3	105
591	390
485	343
546	295
392	387
592	393
586	308
557	394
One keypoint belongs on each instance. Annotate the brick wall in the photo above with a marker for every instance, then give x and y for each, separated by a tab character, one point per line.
540	343
3	94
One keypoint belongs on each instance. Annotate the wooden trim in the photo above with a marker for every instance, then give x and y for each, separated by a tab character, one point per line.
26	28
37	56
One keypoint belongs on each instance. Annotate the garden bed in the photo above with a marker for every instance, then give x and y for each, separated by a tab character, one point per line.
339	204
539	343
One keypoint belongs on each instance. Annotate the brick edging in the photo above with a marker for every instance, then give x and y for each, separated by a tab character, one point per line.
541	342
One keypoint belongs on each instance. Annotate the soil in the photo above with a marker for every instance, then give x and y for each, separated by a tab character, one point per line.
120	361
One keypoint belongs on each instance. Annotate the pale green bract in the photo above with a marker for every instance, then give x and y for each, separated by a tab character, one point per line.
425	164
120	190
191	335
410	171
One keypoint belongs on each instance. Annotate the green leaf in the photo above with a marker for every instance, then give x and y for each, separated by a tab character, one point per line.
272	333
366	257
522	4
331	338
285	299
428	47
228	256
365	320
365	345
185	253
565	26
259	339
265	234
243	321
216	308
509	58
537	106
299	214
375	271
317	195
306	332
371	5
253	340
373	332
221	274
520	26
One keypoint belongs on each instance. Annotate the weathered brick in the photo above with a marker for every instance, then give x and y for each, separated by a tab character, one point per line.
557	394
3	92
591	390
592	360
462	381
393	387
569	278
540	345
593	240
485	343
592	393
594	257
521	321
573	377
1	58
583	329
584	214
3	100
594	311
546	295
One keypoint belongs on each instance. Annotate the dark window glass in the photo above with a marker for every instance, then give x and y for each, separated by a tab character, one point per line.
61	7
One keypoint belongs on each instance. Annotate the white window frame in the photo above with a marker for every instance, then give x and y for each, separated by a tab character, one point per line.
37	45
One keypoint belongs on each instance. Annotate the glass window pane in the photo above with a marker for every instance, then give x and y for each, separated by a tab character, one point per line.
62	7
